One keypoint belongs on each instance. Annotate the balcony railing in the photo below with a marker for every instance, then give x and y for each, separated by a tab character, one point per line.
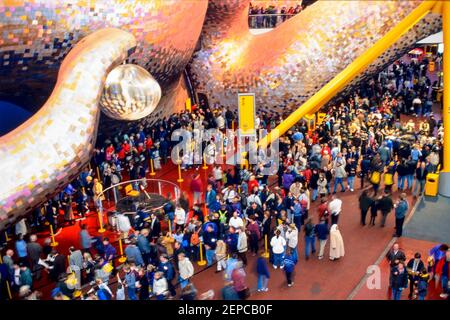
268	21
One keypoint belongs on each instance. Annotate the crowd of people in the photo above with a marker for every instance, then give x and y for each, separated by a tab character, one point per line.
270	16
230	215
416	274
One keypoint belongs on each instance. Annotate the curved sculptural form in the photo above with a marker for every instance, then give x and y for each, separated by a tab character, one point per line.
286	66
46	152
36	36
130	93
283	67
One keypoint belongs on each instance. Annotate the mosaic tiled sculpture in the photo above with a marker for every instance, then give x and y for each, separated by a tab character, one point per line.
286	66
130	93
283	67
35	36
47	151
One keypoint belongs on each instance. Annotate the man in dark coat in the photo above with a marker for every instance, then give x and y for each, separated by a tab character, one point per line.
59	266
385	205
414	268
34	250
398	281
395	255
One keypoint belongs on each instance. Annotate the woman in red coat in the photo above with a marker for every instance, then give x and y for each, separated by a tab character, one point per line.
252	183
197	188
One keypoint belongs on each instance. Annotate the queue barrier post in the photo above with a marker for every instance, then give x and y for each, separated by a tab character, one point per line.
205	167
52	235
68	261
202	261
98	173
122	258
266	249
223	146
100	221
152	170
180	178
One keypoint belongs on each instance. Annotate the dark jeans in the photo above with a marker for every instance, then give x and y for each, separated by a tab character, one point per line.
334	219
298	222
131	293
243	257
383	218
254	243
171	288
375	189
362	178
411	286
363	217
396	293
399	226
288	277
146	257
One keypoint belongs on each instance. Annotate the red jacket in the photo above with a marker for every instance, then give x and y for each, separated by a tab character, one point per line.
322	208
197	185
149	143
252	184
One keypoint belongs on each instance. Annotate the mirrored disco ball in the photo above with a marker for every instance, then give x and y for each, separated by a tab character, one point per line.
130	93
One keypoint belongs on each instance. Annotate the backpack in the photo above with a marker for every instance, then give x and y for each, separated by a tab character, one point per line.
195	239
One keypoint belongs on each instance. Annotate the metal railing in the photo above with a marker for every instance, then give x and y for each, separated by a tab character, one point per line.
159	186
268	20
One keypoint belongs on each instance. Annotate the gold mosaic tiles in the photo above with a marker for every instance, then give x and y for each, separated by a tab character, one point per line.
286	66
45	153
35	36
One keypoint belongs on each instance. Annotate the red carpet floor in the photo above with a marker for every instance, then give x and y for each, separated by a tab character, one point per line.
314	279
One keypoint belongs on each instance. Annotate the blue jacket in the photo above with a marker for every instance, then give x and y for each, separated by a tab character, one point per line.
167	269
210	197
289	263
21	248
210	239
86	241
133	253
401	210
322	231
110	251
143	244
232	240
130	278
214	206
298	210
228	293
261	267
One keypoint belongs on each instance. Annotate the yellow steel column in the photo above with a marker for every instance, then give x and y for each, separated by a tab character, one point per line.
344	77
444	177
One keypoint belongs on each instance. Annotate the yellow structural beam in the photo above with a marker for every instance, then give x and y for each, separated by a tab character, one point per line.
325	94
446	96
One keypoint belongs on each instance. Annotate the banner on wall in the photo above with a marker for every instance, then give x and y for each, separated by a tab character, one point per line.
246	113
